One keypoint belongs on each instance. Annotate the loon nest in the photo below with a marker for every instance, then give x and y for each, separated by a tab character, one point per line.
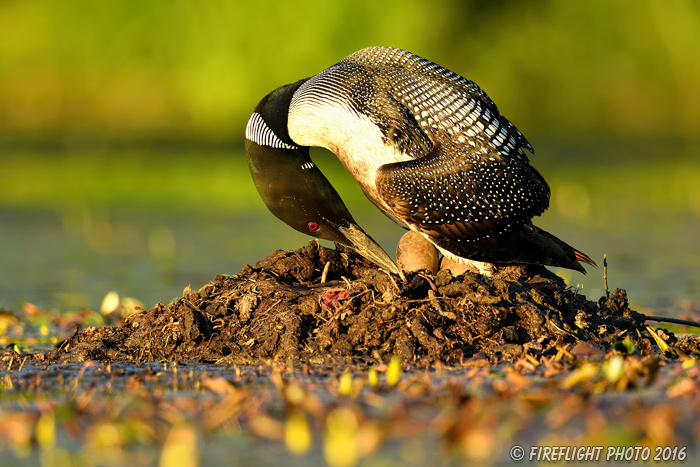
319	305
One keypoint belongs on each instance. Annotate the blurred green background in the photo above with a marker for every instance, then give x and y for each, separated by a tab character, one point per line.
121	132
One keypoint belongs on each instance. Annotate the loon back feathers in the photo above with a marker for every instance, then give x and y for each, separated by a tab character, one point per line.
402	91
447	106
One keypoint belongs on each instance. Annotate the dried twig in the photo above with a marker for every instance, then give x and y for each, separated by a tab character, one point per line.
684	322
325	272
605	275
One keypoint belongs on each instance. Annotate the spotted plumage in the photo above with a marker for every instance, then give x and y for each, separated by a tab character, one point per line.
431	150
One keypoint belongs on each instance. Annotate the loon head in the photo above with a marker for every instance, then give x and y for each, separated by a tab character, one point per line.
293	188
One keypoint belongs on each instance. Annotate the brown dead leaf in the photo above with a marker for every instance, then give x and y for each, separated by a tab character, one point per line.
685	387
331	298
33	310
584	349
217	384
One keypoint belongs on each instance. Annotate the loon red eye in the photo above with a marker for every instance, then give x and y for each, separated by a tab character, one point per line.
313	226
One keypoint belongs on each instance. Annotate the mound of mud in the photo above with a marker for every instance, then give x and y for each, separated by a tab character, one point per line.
285	308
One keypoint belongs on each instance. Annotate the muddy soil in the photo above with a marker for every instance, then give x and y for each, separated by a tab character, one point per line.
284	308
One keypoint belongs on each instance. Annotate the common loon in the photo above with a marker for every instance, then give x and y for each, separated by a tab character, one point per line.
427	146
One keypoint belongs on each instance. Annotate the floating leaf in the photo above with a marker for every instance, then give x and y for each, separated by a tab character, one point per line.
340	443
584	373
689	362
7	319
218	384
394	371
345	383
110	303
624	346
295	394
373	377
46	430
180	448
297	434
614	368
